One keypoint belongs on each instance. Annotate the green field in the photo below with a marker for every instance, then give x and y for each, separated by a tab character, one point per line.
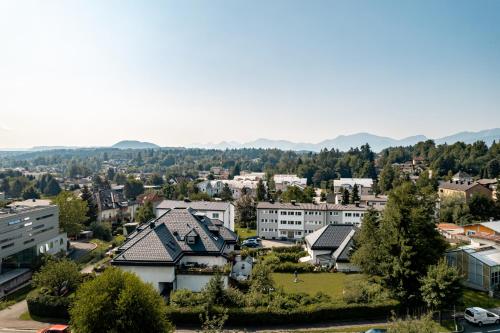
480	299
244	233
311	283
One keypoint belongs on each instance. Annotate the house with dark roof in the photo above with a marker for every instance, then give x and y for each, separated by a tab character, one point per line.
331	246
462	189
112	203
220	210
181	249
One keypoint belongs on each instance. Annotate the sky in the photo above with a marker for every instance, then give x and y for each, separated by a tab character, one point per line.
93	72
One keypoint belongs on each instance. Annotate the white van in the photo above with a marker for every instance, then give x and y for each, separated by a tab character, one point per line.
481	316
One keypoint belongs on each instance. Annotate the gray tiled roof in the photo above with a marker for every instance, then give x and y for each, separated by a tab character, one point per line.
329	237
346	252
308	206
198	205
457	186
163	240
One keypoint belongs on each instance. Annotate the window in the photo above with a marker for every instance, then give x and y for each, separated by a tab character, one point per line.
14	222
190	240
298	222
7	246
45	216
290	213
298	213
215	215
282	213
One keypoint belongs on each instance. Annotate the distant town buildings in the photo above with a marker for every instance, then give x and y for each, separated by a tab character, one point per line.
461	189
283	181
365	185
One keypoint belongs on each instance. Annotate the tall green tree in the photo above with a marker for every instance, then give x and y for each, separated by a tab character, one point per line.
410	242
246	211
441	288
226	194
368	252
59	277
145	212
345	196
386	178
481	207
262	280
121	302
261	191
133	188
355	197
72	212
92	211
30	193
52	188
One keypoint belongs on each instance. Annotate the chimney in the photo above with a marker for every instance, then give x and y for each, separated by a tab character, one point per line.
357	203
187	200
152	224
34	200
293	202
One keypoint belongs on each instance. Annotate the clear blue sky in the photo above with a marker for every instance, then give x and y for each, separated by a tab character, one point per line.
93	72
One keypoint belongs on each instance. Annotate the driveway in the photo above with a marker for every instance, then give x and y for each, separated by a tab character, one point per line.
276	243
79	249
9	319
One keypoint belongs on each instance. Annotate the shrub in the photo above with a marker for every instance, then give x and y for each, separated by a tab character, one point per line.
118	240
290	256
58	277
48	306
288	249
101	230
290	267
234	297
186	298
362	291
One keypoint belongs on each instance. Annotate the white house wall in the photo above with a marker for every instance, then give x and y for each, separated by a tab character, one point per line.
195	282
152	274
206	260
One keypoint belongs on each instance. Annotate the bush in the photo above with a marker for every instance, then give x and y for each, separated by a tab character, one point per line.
118	240
290	267
101	230
362	291
44	305
186	298
297	315
290	256
288	249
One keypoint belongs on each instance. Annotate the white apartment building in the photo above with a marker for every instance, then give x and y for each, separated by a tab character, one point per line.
283	181
365	185
220	210
297	220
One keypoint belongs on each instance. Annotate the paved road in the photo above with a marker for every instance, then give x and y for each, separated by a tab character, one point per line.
80	249
276	243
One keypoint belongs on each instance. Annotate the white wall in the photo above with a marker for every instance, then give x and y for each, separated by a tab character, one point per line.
346	267
195	282
207	260
152	274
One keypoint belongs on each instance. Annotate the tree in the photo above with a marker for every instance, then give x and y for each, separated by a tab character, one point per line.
156	179
410	242
454	209
345	196
481	207
110	175
16	188
52	188
262	281
92	211
72	212
120	302
30	193
441	287
120	179
261	191
246	211
369	236
236	170
60	277
226	194
101	230
355	198
145	212
133	188
386	178
213	292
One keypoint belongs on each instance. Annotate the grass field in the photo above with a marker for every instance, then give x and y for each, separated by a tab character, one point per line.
244	233
311	283
480	299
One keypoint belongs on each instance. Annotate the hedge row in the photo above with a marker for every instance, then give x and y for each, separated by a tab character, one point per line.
309	314
291	267
47	306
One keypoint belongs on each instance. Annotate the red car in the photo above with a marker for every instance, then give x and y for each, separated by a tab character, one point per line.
55	329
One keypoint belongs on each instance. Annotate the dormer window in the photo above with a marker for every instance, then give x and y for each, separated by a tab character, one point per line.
191	239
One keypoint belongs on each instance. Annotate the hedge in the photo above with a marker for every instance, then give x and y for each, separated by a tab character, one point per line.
307	314
48	306
291	267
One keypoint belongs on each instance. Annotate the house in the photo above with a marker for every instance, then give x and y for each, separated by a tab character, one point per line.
376	201
276	220
331	246
238	186
27	229
461	189
152	197
462	177
181	249
490	184
365	185
112	205
450	230
242	268
221	210
478	265
253	176
283	181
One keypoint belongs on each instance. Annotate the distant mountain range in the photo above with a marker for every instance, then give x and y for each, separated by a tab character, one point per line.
345	142
341	142
131	144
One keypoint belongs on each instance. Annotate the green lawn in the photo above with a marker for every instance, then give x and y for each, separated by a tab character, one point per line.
311	283
480	299
244	233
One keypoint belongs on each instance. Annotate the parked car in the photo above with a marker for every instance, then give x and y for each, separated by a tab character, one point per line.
480	316
55	329
376	330
250	243
254	237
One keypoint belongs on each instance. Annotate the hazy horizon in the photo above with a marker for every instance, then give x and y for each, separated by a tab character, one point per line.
176	73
